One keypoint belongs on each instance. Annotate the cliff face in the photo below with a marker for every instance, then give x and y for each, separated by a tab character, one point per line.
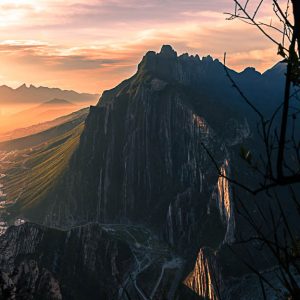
144	161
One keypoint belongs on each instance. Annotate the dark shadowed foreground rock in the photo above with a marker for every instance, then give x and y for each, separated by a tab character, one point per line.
88	262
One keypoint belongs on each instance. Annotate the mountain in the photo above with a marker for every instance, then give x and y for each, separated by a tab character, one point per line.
45	111
55	129
138	204
37	128
32	94
41	113
56	101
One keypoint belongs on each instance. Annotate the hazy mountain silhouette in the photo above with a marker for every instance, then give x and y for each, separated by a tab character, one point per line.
11	136
32	94
41	113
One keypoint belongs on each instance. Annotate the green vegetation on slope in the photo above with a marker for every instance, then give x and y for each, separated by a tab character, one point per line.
30	178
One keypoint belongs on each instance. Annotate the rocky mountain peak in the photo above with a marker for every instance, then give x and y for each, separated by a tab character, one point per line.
22	87
251	71
208	59
161	69
168	66
168	51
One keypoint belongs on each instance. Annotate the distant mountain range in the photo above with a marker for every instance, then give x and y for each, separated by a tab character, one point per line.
18	133
37	114
44	132
46	109
32	94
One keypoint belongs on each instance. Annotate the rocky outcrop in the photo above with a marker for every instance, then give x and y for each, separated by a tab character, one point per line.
223	197
29	282
206	278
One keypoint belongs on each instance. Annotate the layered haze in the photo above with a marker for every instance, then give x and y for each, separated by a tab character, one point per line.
25	106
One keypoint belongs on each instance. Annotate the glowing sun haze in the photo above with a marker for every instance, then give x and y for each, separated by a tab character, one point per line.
92	45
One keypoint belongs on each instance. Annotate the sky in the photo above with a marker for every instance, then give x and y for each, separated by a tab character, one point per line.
90	46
